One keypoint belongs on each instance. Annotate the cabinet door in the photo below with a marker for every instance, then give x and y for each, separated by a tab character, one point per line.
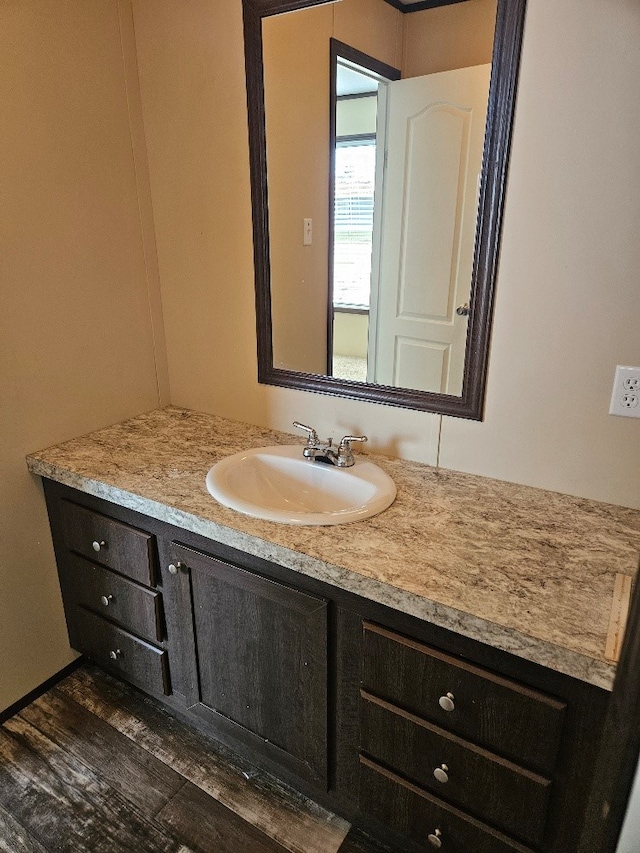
261	651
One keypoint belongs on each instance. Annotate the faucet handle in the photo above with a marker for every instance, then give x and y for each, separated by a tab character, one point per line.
312	435
345	455
350	438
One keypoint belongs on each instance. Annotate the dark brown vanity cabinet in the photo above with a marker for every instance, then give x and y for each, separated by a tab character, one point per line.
458	756
114	612
414	731
261	654
436	727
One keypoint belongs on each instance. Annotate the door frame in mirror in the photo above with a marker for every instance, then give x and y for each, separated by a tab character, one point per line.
339	50
504	76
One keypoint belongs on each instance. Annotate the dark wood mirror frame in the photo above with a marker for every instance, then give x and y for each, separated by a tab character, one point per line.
504	75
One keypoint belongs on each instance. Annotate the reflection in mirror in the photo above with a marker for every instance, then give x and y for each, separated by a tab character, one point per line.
357	158
376	252
408	156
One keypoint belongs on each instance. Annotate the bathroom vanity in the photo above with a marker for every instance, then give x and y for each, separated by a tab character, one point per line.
438	673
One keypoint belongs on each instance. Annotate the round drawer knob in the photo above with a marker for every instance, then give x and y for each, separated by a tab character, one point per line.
441	773
106	599
174	568
435	838
446	702
98	546
114	654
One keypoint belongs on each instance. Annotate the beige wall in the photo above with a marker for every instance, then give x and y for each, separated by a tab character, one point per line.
356	115
296	81
448	37
372	26
569	266
77	335
350	333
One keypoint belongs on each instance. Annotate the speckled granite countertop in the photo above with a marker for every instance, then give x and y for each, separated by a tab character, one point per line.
527	571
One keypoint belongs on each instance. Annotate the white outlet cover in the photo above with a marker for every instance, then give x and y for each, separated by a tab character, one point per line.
625	398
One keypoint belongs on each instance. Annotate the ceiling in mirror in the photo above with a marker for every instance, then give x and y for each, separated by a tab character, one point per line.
420	5
375	224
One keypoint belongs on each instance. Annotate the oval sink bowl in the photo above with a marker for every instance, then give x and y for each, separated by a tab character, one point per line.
279	484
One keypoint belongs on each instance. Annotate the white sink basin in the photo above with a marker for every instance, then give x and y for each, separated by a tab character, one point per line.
279	484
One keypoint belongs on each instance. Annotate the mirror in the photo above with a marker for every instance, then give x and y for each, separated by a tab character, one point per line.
376	240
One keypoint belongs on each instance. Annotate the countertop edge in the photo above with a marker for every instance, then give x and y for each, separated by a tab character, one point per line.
599	673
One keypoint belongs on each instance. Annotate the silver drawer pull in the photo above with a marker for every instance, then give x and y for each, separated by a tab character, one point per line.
98	546
446	702
106	599
441	773
435	839
174	568
114	654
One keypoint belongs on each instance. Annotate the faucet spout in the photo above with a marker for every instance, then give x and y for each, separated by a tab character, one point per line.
314	449
325	452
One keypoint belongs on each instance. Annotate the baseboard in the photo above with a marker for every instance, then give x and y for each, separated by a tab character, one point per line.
14	709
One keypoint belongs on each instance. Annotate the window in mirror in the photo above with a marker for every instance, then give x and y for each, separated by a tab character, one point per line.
354	184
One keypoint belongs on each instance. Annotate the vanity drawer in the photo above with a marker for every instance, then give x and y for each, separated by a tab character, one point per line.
133	659
502	715
490	787
109	542
135	607
418	815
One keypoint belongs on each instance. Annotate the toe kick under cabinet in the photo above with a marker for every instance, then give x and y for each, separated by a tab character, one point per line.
425	737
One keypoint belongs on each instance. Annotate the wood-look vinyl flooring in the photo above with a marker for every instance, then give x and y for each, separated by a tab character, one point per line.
93	765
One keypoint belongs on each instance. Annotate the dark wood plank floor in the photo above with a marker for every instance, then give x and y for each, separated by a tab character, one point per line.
93	765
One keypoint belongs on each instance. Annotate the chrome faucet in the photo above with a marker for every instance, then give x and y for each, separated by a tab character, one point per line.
324	451
313	446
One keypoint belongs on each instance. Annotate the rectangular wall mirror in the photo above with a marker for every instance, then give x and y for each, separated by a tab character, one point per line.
379	138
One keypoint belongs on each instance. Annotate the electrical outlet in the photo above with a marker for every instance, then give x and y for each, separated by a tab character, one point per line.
625	399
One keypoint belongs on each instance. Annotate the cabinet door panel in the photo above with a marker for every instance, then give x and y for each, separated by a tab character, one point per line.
262	657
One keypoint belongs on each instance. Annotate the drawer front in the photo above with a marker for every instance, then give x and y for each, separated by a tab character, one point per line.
109	542
418	815
135	607
508	718
135	660
492	788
